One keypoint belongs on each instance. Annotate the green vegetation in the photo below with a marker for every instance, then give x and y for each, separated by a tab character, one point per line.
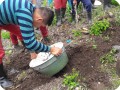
98	27
5	35
22	75
109	57
94	46
117	16
77	33
71	80
114	2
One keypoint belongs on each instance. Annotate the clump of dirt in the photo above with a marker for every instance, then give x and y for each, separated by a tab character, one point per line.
83	57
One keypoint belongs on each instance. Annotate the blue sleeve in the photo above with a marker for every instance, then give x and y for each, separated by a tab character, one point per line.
25	21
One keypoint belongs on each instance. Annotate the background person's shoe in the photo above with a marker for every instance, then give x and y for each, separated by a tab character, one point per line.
58	16
5	83
89	17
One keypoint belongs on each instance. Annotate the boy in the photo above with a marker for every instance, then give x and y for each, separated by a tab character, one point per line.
26	16
43	29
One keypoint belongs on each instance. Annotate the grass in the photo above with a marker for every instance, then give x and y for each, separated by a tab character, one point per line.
77	33
109	57
113	77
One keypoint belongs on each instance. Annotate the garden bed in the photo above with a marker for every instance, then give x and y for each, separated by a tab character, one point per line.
84	57
84	53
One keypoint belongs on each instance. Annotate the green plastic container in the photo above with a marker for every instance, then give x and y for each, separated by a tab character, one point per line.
54	64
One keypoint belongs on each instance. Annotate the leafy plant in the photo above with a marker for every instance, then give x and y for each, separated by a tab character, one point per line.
94	46
76	33
114	2
71	80
98	27
109	57
5	35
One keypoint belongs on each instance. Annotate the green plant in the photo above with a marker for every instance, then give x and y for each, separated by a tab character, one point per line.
5	35
22	75
8	52
109	57
114	2
71	80
98	27
76	33
94	46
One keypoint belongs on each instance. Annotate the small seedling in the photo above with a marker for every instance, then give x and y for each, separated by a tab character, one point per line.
109	57
8	52
77	33
5	35
71	80
22	76
94	46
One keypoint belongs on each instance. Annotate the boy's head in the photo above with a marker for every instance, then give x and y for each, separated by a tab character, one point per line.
42	16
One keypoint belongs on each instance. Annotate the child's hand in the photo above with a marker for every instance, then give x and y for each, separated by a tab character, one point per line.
33	55
74	2
56	51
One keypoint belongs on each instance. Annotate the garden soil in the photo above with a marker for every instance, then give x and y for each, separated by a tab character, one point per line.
81	54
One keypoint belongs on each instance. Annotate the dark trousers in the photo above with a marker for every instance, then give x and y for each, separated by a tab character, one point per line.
87	4
92	1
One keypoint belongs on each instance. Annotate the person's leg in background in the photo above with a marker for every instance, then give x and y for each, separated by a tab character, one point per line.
93	1
14	40
63	9
44	32
14	34
73	12
58	6
88	6
4	82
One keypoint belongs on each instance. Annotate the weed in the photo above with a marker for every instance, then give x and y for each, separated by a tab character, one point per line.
71	80
22	76
114	2
94	46
117	16
5	35
8	52
98	27
76	33
109	57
